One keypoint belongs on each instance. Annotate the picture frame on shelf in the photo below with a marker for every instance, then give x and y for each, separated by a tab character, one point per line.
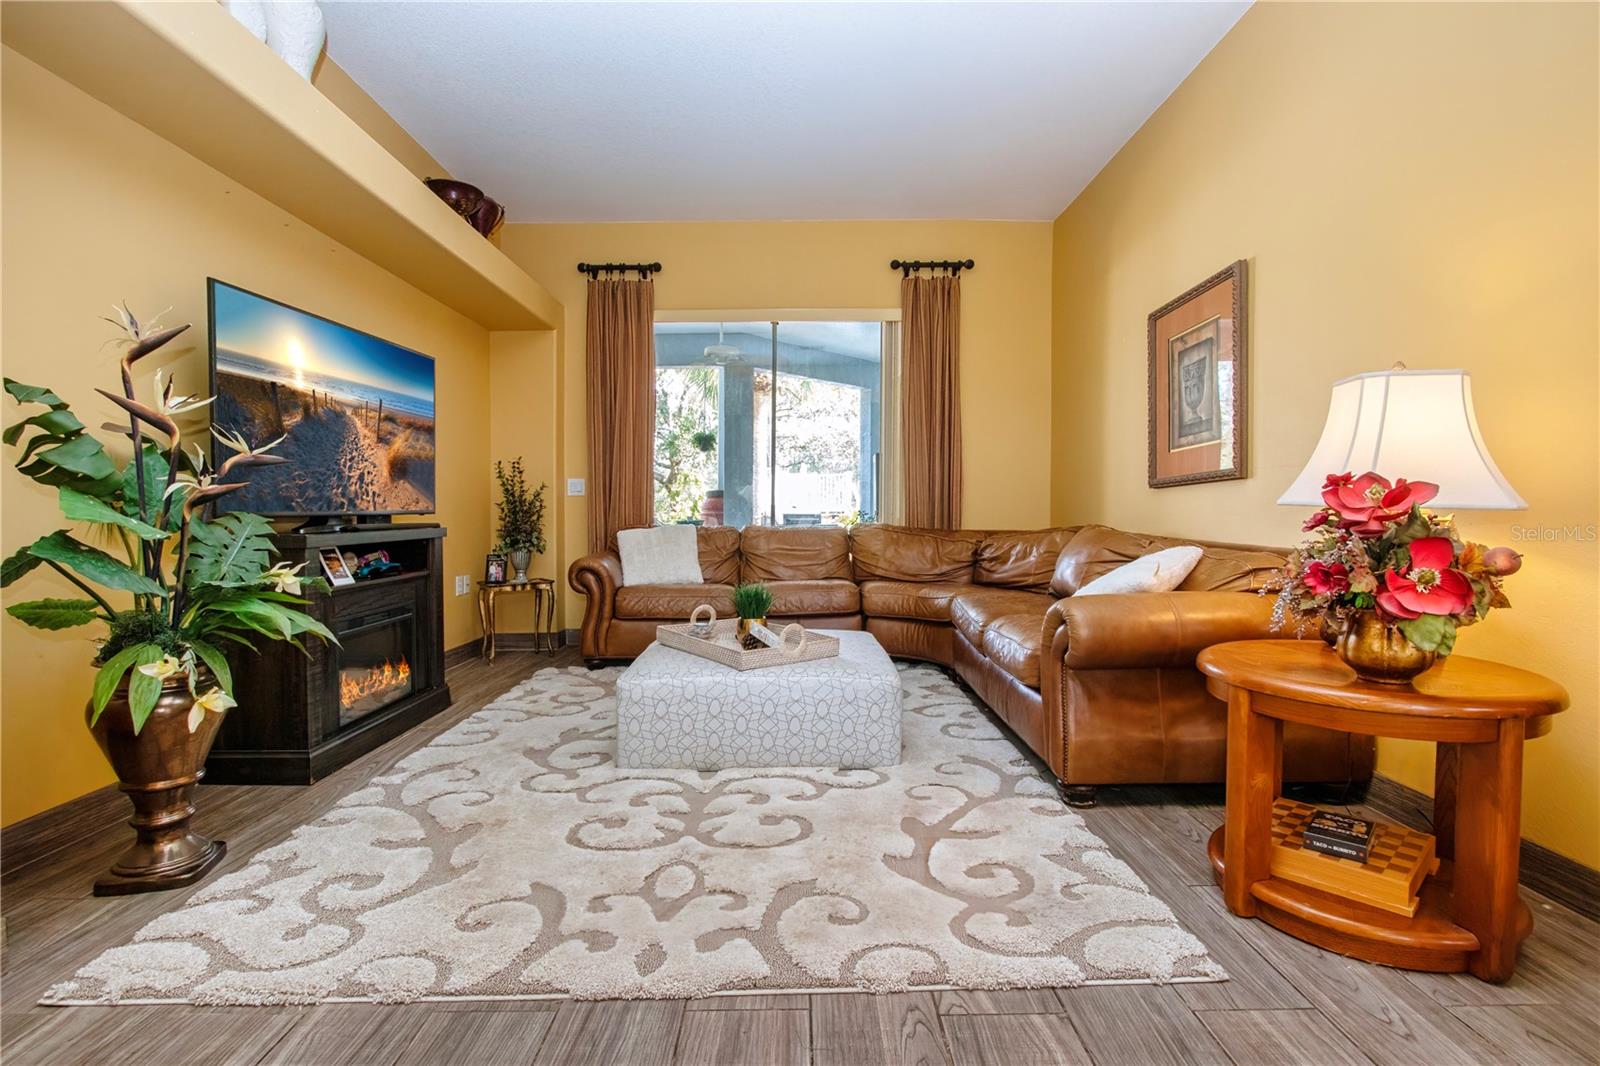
495	568
333	565
1197	396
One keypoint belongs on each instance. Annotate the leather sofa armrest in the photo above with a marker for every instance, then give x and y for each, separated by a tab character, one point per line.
1153	629
597	578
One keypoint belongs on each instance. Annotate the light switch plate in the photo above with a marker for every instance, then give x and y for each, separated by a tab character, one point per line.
463	584
574	486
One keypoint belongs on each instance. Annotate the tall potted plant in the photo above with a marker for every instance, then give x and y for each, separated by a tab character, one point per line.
521	516
197	581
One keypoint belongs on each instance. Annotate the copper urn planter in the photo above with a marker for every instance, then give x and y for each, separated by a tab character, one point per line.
158	768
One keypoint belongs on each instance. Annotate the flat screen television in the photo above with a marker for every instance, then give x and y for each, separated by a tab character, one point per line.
355	411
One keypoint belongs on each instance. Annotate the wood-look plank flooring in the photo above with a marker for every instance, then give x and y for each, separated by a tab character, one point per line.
1287	1002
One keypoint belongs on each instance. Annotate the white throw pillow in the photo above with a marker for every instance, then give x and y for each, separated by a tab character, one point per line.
1160	571
661	555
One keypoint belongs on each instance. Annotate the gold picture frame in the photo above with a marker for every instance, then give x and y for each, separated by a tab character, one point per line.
1197	397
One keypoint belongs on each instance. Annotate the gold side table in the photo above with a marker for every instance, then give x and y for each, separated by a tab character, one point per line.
544	611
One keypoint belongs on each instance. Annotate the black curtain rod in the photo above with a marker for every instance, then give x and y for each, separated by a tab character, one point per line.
594	270
906	266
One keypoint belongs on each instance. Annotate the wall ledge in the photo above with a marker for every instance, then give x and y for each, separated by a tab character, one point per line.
192	75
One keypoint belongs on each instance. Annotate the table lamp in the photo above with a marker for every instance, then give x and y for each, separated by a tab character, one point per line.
1415	424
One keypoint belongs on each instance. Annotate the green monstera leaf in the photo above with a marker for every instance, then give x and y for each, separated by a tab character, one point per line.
233	550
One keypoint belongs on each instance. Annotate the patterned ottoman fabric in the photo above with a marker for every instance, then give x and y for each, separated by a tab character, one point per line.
679	711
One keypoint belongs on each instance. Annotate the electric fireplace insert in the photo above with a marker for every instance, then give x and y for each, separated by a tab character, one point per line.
375	656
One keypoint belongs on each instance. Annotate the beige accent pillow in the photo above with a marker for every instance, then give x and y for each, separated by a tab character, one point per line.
660	555
1160	571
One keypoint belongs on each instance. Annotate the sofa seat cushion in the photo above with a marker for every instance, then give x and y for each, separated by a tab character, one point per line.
972	611
671	602
1012	643
909	599
791	599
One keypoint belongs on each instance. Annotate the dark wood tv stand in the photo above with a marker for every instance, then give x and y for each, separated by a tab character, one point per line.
301	716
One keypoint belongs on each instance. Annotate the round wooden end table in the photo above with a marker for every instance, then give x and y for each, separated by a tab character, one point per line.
1479	713
544	611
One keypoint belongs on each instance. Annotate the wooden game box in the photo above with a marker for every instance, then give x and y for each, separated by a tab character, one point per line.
1397	862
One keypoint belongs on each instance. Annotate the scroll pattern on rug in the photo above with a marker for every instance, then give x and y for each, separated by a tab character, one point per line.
510	857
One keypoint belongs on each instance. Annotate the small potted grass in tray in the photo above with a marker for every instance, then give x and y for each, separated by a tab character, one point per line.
751	602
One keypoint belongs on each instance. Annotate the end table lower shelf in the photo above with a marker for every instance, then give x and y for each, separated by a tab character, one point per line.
1429	940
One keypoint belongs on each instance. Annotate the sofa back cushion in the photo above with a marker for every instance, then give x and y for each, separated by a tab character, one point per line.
719	555
900	553
810	553
1021	560
1223	567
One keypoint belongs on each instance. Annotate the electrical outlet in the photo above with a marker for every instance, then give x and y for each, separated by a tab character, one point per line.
574	486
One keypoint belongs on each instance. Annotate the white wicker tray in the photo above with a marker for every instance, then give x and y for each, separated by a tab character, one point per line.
721	646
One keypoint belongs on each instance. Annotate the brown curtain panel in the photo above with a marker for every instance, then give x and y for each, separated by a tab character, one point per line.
621	406
930	409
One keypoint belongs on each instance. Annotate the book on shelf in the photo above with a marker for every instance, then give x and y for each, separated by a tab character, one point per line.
1339	835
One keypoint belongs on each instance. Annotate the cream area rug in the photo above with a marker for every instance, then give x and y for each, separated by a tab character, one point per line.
510	858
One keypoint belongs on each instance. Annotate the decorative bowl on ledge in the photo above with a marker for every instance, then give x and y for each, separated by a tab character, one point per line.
463	199
483	213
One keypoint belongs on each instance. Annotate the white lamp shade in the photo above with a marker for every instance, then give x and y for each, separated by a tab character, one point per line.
1415	424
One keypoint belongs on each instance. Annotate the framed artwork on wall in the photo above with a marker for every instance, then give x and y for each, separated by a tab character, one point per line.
1197	395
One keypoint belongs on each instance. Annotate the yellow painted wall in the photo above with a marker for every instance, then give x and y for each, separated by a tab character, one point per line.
1005	315
97	209
522	378
1414	182
338	86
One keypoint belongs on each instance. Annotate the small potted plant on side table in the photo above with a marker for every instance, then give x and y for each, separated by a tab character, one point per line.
1389	583
198	581
521	517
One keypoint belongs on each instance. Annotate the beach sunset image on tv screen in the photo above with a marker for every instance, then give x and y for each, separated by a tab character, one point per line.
355	412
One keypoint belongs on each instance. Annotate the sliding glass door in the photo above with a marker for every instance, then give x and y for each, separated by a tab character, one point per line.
768	423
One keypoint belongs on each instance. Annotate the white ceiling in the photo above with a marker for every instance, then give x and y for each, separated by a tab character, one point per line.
698	111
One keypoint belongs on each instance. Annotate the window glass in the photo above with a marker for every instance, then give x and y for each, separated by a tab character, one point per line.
768	423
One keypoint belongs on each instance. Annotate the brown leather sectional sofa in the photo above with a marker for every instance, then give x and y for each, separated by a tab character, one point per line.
1103	688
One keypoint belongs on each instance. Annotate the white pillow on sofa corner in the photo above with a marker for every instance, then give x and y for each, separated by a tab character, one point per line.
660	555
1160	571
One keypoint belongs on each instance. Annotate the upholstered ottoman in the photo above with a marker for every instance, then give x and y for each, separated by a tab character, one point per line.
681	712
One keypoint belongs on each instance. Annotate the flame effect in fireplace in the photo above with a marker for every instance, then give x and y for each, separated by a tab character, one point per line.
377	681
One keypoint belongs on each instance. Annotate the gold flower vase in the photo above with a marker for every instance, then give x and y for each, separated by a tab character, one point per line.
741	632
1377	651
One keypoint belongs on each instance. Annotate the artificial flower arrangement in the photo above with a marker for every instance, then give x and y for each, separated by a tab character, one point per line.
1373	551
198	580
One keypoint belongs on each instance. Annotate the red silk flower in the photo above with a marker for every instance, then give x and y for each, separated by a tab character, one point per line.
1428	586
1327	578
1367	503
